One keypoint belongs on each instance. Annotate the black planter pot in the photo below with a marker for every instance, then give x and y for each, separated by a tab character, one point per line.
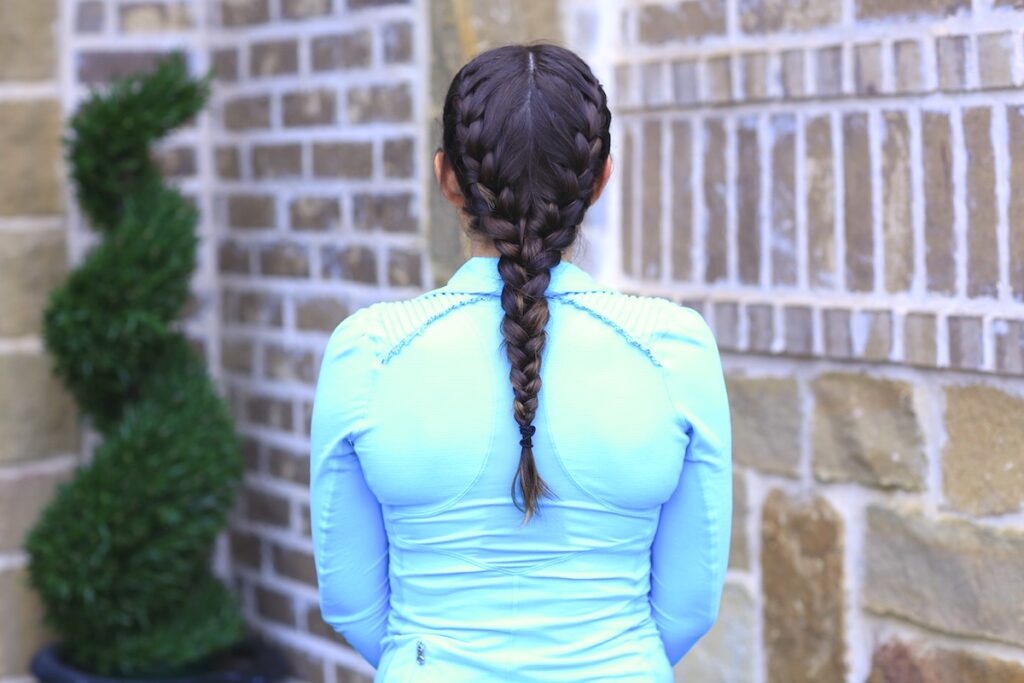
250	661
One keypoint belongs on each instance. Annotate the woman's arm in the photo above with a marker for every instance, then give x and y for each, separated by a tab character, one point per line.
350	545
690	552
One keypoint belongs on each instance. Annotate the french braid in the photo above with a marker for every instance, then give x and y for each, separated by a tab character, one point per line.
526	129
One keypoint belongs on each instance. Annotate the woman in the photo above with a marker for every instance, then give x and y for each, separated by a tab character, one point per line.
621	466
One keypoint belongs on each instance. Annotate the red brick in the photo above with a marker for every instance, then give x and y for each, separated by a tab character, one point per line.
940	248
769	16
684	21
715	248
829	71
783	198
760	327
919	330
1015	125
821	239
748	201
681	210
799	329
860	267
982	204
965	342
651	246
907	66
951	58
884	9
628	201
835	325
897	200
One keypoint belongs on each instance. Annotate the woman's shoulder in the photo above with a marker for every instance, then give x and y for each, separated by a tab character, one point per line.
656	323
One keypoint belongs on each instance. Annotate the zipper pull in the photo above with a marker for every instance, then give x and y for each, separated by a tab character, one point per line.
419	652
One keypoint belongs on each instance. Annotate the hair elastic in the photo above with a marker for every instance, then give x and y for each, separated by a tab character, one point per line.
527	432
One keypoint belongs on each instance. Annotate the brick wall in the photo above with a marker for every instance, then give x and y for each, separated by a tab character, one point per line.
836	186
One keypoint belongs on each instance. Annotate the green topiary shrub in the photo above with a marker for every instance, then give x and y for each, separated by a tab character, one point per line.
121	557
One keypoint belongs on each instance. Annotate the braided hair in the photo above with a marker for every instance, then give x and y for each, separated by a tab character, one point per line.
526	131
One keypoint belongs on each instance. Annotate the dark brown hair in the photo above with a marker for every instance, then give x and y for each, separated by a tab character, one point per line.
526	132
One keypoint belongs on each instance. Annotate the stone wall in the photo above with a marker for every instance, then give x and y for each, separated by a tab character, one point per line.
39	431
836	185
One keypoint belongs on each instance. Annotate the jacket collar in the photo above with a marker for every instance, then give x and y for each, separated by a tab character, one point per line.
479	275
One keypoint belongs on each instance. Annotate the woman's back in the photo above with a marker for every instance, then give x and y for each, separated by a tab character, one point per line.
423	562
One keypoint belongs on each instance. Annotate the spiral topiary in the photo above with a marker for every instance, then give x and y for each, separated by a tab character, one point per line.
121	556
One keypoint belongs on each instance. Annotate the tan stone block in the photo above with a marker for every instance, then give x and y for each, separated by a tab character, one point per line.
802	582
873	338
39	418
766	422
944	573
726	653
399	158
866	429
251	211
32	264
835	324
22	631
799	329
23	497
28	35
917	662
233	257
983	457
244	113
236	355
251	308
30	175
295	564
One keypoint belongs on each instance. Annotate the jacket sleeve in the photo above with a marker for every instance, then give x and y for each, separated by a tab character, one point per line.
690	551
350	545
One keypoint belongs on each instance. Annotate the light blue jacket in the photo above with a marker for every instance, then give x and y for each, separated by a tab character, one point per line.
423	565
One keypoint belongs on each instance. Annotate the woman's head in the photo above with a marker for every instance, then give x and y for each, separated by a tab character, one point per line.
525	152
